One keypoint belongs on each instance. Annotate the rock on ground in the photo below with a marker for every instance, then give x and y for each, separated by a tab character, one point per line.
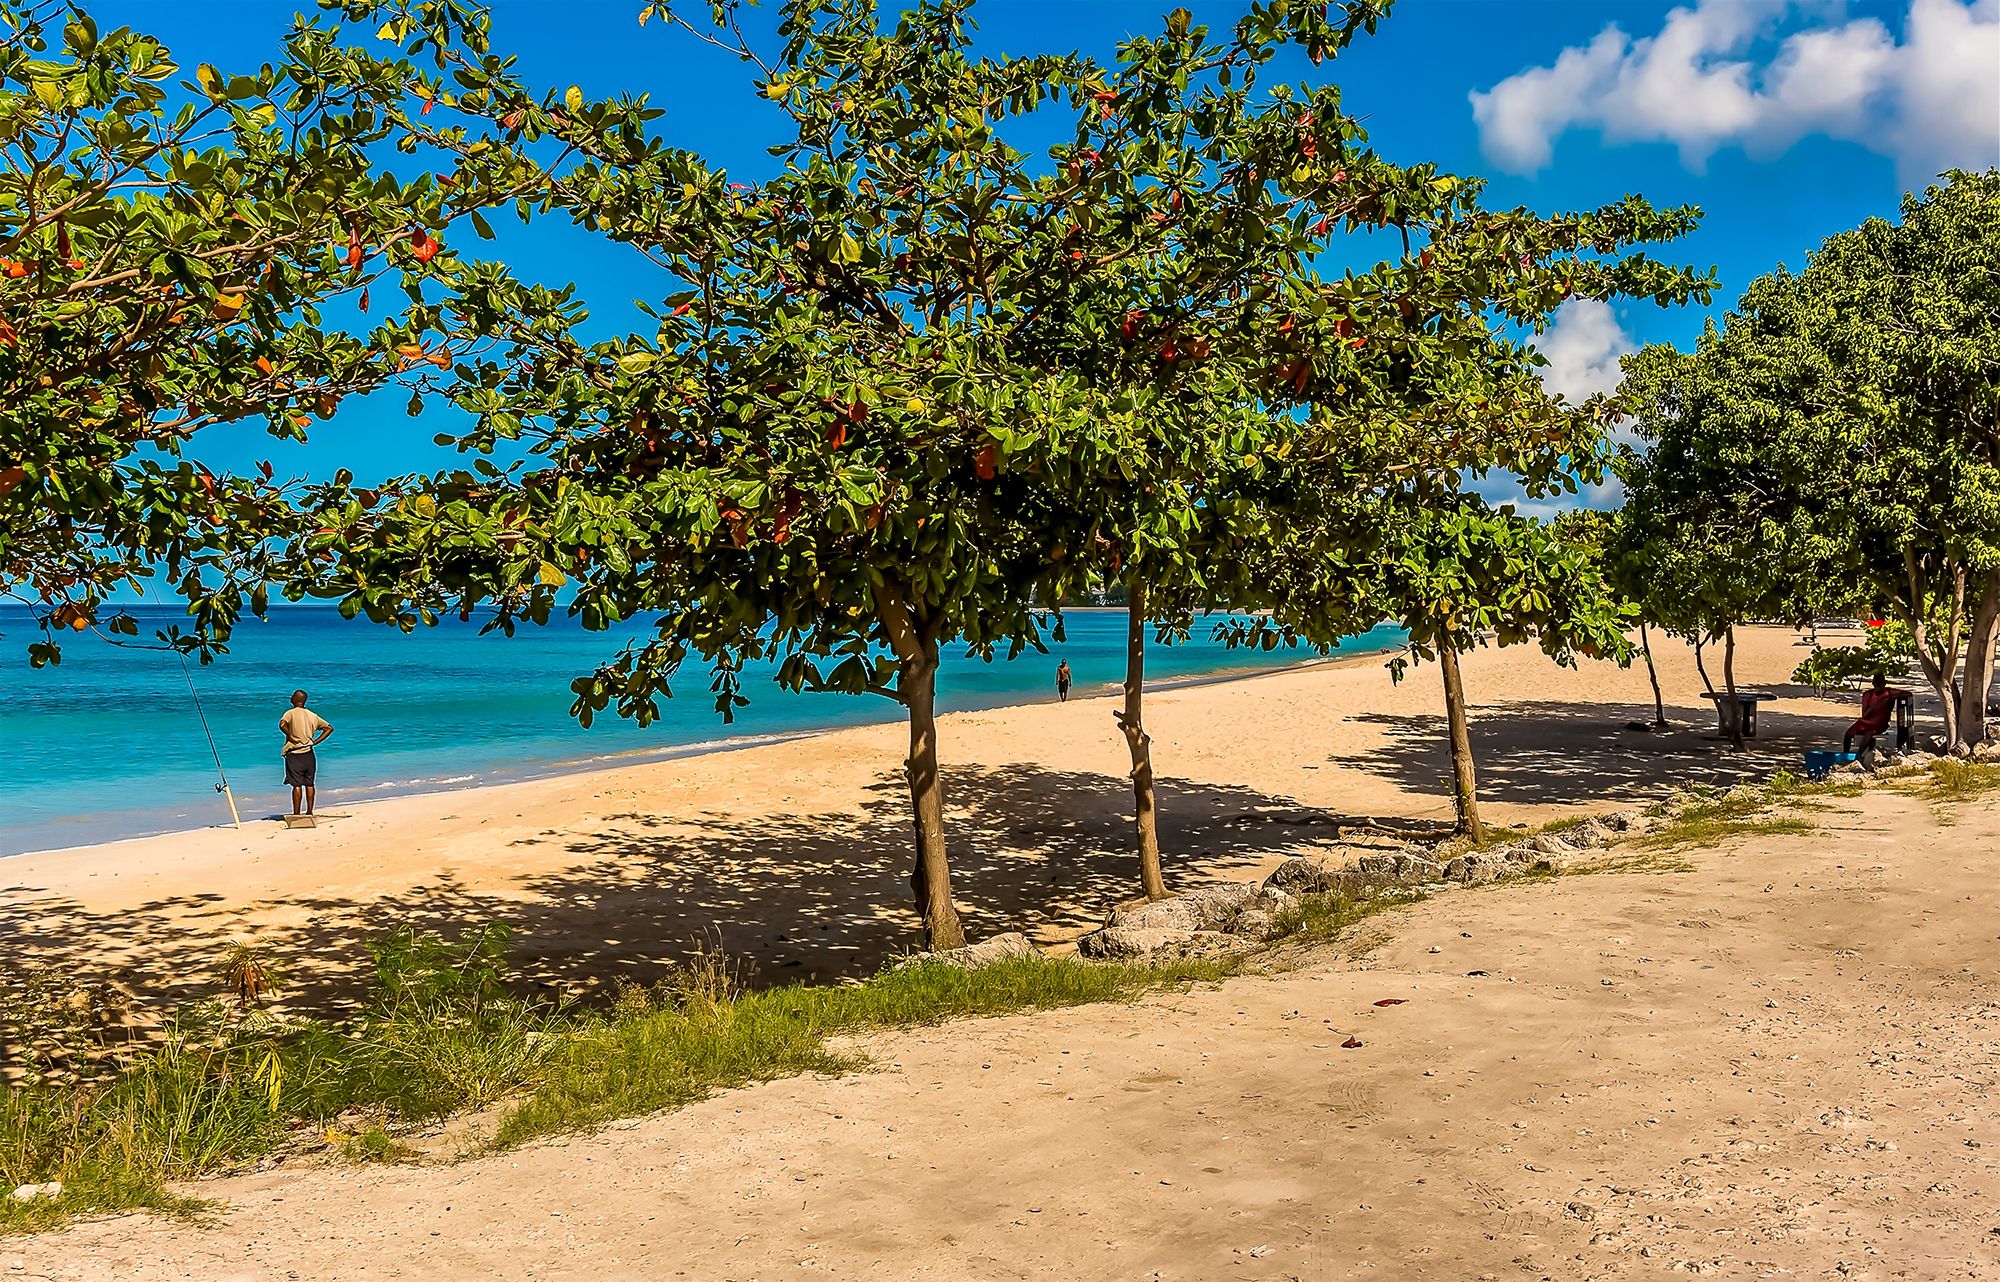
984	953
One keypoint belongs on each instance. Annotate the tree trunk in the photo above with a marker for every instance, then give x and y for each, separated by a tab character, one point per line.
1653	673
1133	722
931	878
1732	707
1938	659
916	651
1465	786
1979	642
1706	684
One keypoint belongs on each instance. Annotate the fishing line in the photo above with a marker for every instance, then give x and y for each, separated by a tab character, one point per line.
188	675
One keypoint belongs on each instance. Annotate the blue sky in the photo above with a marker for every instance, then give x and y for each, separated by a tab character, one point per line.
1785	120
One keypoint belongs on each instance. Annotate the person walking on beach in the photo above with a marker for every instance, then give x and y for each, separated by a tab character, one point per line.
304	730
1062	681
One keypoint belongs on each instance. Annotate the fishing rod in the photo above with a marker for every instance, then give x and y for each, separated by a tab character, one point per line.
222	787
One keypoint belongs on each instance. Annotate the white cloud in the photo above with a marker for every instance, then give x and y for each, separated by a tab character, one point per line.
1583	347
1708	80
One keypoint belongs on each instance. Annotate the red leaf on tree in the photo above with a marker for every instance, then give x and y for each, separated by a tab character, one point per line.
987	463
836	436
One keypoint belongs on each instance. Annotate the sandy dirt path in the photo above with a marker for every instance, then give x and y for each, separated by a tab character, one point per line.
795	855
1779	1064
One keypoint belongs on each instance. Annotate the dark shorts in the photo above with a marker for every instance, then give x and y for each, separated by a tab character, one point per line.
301	768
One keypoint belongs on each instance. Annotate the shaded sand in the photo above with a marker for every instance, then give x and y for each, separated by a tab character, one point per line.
795	854
1779	1064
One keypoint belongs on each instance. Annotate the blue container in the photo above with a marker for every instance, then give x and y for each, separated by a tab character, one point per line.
1820	764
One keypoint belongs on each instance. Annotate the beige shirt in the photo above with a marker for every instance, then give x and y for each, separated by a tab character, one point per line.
300	725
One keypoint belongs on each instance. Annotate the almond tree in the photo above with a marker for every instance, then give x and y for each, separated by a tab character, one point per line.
1437	390
169	262
1834	439
862	429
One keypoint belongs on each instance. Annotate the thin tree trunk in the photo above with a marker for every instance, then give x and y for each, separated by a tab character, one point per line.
1979	640
1732	707
931	878
1133	722
1940	663
1465	786
1652	673
916	686
1706	684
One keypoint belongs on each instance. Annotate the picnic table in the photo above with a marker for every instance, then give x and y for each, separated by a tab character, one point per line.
1749	699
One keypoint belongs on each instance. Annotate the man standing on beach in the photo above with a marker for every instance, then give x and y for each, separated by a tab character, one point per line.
304	730
1062	681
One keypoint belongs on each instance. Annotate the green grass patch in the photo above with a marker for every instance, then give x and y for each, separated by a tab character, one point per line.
685	1050
1777	809
1953	780
376	1145
1323	918
227	1083
1950	783
1638	861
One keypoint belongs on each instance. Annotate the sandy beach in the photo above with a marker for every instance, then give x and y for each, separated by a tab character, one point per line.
1774	1059
794	853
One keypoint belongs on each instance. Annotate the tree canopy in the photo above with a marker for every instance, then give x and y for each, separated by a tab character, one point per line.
184	249
1834	444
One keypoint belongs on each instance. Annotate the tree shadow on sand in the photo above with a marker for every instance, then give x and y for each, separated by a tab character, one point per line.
1557	754
799	897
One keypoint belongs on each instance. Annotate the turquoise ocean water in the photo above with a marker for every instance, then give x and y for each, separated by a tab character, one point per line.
107	744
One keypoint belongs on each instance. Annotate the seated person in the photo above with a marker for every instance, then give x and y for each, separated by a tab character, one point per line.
1878	705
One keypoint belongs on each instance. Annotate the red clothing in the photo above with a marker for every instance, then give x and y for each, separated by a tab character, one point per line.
1877	706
